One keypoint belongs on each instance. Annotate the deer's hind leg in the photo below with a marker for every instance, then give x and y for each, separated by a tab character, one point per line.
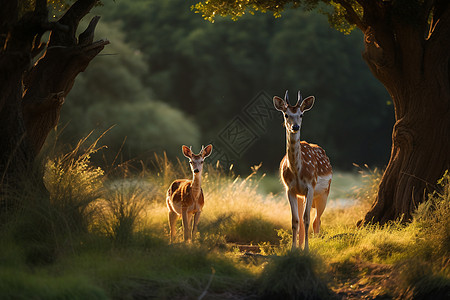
194	226
320	202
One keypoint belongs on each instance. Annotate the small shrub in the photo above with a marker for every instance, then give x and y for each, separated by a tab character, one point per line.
432	218
121	210
250	229
74	184
425	274
283	247
54	213
293	276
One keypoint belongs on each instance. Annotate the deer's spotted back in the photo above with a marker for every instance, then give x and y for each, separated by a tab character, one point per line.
314	161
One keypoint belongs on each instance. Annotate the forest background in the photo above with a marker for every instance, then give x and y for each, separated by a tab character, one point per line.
171	78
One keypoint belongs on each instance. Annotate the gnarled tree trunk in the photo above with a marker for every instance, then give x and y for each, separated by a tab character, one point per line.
414	66
31	96
419	156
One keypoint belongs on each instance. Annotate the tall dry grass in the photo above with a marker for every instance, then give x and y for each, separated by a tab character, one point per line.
234	210
126	214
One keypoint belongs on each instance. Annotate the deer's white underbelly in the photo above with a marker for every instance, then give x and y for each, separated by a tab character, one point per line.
322	184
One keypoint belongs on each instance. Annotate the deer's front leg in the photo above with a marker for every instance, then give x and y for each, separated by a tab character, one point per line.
196	219
307	213
295	218
172	222
301	200
186	217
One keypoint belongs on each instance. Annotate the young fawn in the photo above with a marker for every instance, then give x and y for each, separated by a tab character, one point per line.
305	170
185	197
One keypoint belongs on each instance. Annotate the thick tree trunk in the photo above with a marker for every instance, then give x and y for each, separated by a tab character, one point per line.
420	154
417	78
31	98
51	79
15	151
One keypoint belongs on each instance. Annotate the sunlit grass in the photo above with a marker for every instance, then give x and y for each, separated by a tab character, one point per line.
109	235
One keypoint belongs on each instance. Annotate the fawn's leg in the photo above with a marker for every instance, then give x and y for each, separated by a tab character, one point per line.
196	219
187	218
172	222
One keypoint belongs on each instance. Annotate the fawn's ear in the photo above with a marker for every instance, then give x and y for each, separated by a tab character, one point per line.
279	104
186	151
207	151
307	104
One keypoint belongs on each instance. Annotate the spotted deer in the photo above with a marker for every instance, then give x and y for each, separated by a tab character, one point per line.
185	197
305	170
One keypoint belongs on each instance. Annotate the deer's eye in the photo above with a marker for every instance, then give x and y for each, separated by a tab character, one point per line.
286	115
191	162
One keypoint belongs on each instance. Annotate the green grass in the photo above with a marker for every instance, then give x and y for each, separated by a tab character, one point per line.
97	236
23	284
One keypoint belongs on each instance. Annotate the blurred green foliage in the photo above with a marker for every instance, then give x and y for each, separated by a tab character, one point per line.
212	71
205	74
111	93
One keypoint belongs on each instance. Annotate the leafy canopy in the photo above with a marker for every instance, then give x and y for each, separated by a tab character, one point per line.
334	10
56	5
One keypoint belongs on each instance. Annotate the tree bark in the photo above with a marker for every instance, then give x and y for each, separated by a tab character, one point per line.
419	155
415	70
51	79
31	96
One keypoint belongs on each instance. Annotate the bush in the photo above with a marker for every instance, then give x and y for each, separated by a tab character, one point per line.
426	273
432	217
53	205
74	185
121	210
293	276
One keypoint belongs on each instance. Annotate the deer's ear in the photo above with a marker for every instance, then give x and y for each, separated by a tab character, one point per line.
279	104
207	151
186	151
307	104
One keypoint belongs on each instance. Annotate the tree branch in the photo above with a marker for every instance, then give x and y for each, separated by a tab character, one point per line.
87	37
351	15
71	19
440	26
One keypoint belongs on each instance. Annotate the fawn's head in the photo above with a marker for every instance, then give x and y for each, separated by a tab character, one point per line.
196	160
293	114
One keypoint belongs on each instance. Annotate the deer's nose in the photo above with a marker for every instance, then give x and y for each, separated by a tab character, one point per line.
196	171
296	127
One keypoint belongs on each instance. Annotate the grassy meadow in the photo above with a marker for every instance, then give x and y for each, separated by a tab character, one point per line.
100	234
